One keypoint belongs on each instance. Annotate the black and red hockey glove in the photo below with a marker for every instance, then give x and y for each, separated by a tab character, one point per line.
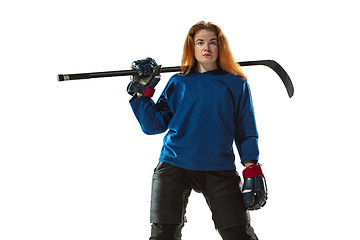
254	188
147	78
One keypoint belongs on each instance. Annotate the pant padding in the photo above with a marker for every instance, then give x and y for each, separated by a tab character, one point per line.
166	231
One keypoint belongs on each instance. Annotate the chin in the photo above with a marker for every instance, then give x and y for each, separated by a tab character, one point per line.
208	61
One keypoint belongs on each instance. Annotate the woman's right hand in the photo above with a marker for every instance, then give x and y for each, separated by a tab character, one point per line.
147	78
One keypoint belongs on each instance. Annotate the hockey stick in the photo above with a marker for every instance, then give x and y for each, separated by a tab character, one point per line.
269	63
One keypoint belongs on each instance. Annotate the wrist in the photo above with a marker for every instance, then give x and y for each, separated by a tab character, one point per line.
249	163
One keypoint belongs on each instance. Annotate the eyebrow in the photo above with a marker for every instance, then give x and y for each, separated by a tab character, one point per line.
203	39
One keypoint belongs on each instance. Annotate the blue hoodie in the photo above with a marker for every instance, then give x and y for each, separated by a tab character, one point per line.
204	114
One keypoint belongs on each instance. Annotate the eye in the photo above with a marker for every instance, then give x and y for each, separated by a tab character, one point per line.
213	43
200	43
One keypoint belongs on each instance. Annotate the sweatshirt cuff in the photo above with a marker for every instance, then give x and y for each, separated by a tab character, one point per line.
133	98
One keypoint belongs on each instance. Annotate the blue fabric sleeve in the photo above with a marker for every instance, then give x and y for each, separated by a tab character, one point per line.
246	135
153	118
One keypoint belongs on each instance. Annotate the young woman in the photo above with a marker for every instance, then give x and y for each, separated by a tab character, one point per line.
204	109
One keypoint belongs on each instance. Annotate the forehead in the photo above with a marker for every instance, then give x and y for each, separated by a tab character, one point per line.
205	35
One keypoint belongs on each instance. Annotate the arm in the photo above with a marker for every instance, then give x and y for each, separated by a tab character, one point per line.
153	118
254	188
246	135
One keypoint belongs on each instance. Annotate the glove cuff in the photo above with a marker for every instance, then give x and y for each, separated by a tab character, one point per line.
149	92
253	171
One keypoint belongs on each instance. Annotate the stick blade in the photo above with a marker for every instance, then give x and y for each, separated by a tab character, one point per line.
283	76
280	71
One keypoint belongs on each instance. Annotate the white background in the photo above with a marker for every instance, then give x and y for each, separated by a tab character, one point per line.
75	164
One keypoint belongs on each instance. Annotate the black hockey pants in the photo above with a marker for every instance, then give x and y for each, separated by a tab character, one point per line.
221	189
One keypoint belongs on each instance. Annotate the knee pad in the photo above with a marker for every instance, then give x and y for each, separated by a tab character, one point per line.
166	231
244	232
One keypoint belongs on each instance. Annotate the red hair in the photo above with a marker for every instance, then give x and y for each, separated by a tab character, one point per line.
225	60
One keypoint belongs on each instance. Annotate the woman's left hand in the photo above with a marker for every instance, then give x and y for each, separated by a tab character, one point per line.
254	187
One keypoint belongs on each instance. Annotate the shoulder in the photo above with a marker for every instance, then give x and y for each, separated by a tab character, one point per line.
173	79
175	83
235	77
181	78
177	77
183	75
237	85
234	80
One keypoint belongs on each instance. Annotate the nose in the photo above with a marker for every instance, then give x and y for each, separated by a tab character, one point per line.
207	47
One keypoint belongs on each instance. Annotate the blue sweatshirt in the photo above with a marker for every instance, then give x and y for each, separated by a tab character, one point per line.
204	114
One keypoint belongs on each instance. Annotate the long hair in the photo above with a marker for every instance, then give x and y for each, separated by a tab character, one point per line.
225	59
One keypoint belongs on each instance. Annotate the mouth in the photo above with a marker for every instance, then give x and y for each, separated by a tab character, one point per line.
206	55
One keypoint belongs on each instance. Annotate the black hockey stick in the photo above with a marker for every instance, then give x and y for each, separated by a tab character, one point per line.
269	63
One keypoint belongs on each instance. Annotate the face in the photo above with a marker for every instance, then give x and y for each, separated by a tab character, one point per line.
206	49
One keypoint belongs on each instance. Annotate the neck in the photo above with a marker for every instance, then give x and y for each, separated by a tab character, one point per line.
205	67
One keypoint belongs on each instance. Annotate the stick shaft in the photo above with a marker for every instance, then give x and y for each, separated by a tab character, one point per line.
79	76
269	63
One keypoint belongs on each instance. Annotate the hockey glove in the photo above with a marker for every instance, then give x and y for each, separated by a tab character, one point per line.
147	78
254	188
